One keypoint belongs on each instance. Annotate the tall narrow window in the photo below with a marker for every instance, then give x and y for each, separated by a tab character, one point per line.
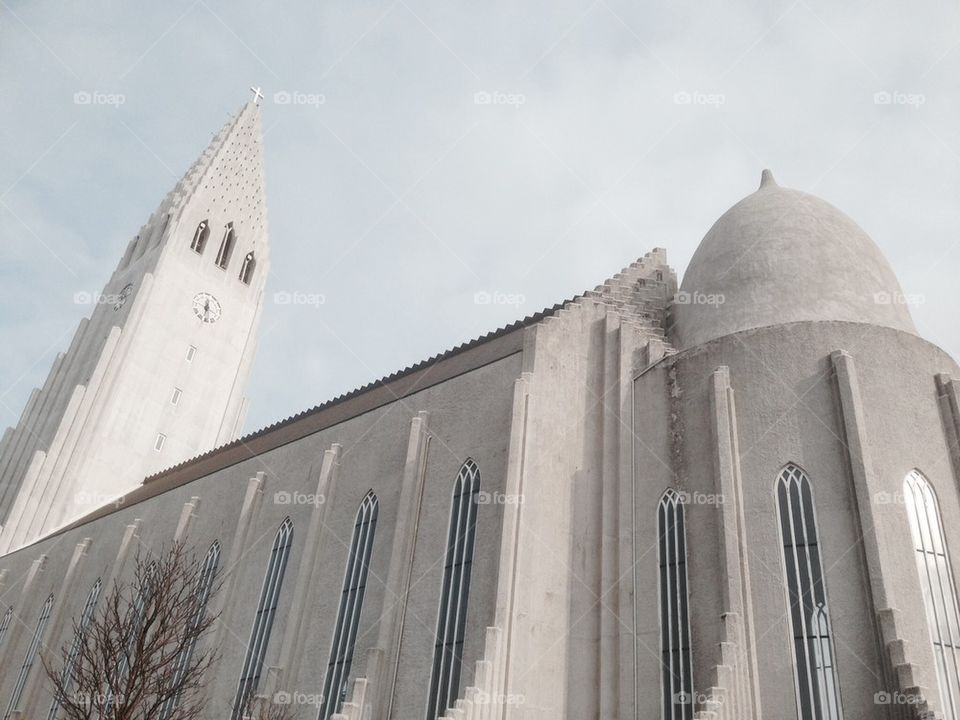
263	620
936	582
226	247
5	622
677	664
351	601
451	625
817	684
29	657
85	617
246	270
199	241
204	587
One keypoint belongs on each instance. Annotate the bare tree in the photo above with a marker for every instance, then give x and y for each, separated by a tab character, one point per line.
142	655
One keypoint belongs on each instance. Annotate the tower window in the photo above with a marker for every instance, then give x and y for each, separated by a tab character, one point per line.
677	664
351	602
191	353
246	270
451	626
817	682
161	439
226	247
81	627
939	591
263	620
29	657
175	398
200	235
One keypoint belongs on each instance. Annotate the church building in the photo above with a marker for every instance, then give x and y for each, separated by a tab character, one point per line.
734	499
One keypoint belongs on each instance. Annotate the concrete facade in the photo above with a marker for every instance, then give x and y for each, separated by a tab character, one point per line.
579	419
92	432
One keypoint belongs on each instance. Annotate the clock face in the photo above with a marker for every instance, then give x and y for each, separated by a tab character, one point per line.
206	307
122	296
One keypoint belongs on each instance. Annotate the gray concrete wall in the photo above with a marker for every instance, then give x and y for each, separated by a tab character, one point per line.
468	417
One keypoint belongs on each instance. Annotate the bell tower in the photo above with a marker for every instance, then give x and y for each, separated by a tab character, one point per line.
158	372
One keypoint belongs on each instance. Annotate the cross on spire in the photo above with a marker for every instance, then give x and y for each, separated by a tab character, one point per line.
257	95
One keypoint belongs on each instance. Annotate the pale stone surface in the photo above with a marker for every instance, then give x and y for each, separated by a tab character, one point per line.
579	419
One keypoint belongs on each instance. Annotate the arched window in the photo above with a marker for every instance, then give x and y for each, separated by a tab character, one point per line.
817	684
200	236
936	582
676	665
451	625
351	601
263	620
208	573
85	617
246	270
29	657
5	623
226	247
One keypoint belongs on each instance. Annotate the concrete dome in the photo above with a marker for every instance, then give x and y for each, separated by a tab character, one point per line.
781	256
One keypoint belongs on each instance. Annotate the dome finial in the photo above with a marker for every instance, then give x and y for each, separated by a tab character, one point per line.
767	180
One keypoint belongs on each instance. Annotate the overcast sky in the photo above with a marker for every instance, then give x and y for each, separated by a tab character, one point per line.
614	126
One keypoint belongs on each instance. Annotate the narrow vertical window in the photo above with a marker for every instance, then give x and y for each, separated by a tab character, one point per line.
191	353
677	663
208	573
199	241
817	685
85	617
936	582
263	620
5	623
158	444
451	625
246	270
29	657
175	397
351	602
226	247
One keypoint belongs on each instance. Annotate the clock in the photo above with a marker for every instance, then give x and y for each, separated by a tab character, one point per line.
122	296
206	307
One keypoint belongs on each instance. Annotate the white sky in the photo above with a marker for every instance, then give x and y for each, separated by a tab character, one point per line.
399	197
